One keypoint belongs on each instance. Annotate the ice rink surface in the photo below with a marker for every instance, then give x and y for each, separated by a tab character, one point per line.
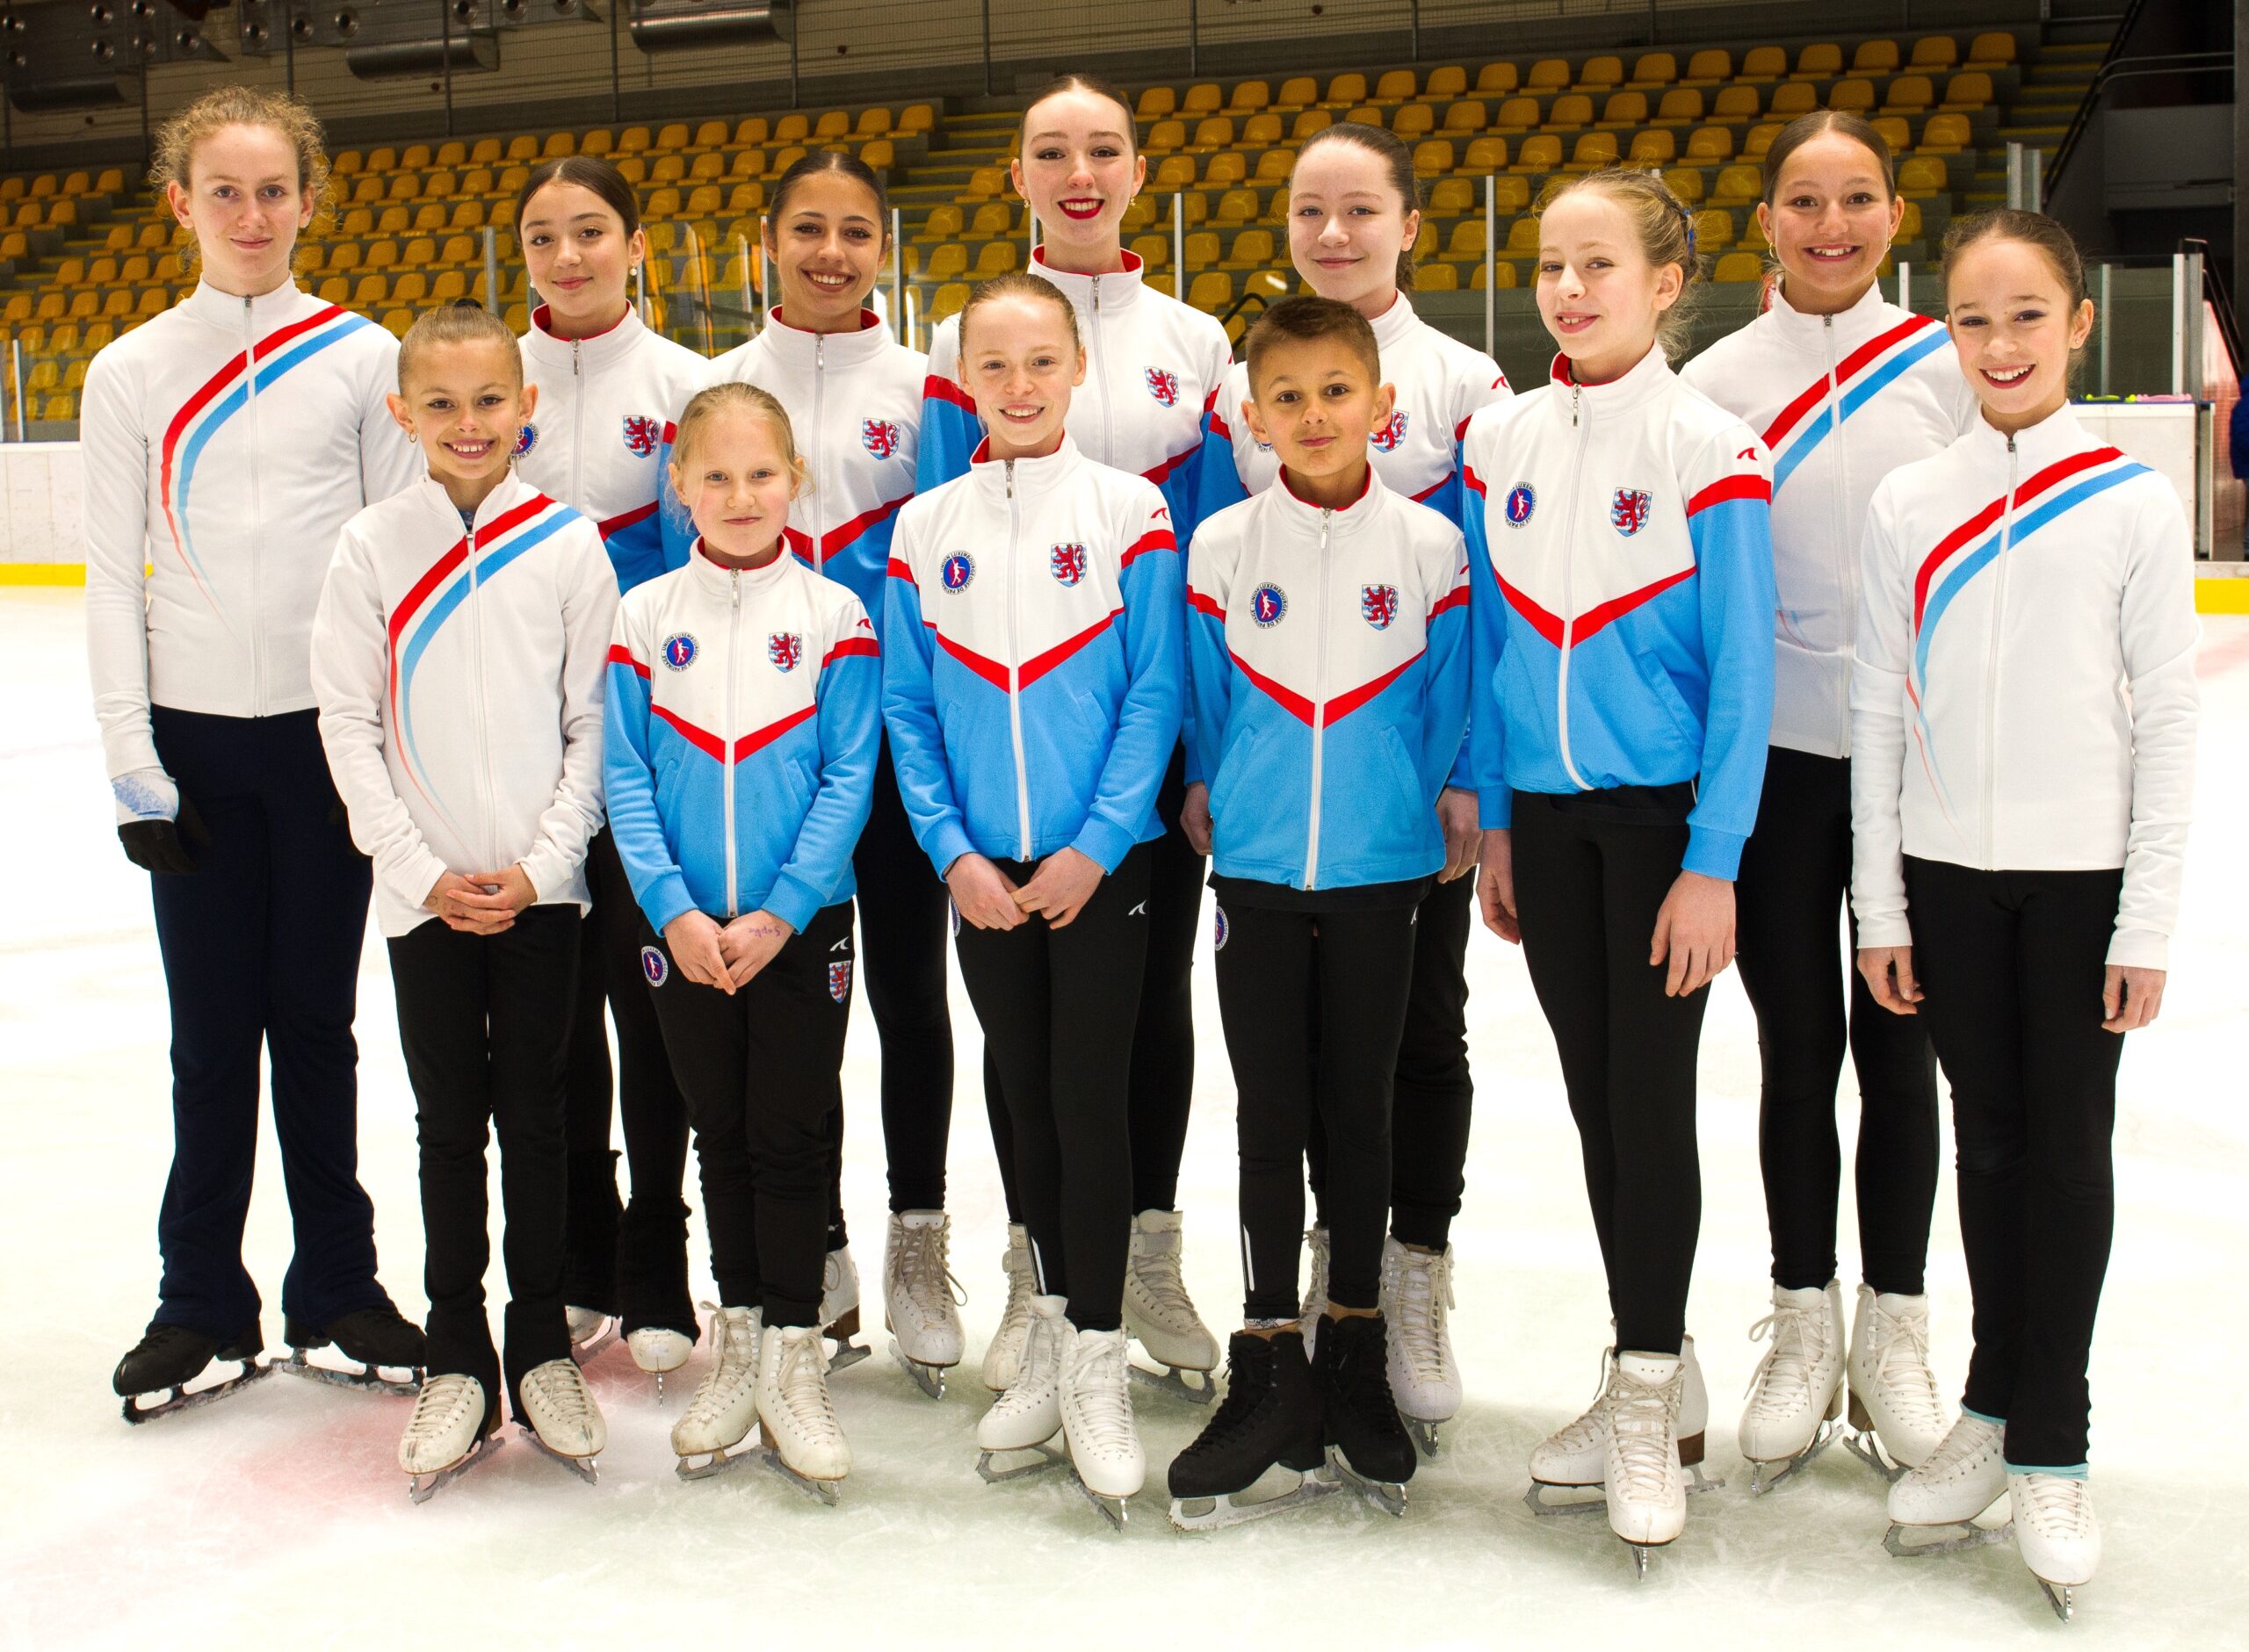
280	1514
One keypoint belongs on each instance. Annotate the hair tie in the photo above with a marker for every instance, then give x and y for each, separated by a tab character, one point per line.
1687	217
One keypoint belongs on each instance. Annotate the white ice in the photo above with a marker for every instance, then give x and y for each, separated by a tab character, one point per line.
280	1512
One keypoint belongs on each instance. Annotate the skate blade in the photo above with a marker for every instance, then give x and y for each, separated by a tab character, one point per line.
1760	1482
421	1488
2062	1598
611	1329
587	1469
1866	1445
1424	1434
1641	1554
1386	1495
1112	1509
1968	1534
1045	1457
368	1378
930	1379
1173	1380
829	1492
843	1354
182	1399
1237	1508
715	1462
1548	1498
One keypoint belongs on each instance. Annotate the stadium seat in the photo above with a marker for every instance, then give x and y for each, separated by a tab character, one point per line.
1601	74
1922	175
1713	230
1298	91
1249	96
1275	165
1211	291
1413	122
1485	155
1818	62
1548	74
1654	69
1624	110
1569	113
1875	57
1451	196
832	126
1252	249
1201	251
1540	153
1433	158
1854	95
1496	80
1365	114
1908	95
1516	115
1224	171
1261	131
1344	90
1945	134
1894	132
1310	121
1709	67
1793	98
1174	172
1522	237
1759	140
791	129
1655	146
1466	118
1681	106
1593	151
997	259
1685	182
1969	90
1154	251
1737	186
1156	102
1236	206
949	262
1738	266
1448	81
1995	51
1165	137
1736	103
1763	63
1467	243
1501	275
1437	277
1204	98
1396	86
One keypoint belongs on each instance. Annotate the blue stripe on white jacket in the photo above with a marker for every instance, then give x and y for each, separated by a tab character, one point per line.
742	732
1033	680
1330	664
1623	565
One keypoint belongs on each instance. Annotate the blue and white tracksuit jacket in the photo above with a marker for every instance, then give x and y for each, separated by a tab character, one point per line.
1329	663
1033	681
2024	695
854	401
1623	564
1441	384
600	438
460	691
1843	400
743	725
1153	368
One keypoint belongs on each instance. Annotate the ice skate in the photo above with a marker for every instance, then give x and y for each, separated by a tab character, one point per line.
1796	1393
839	1309
170	1357
1895	1411
1368	1449
453	1428
1270	1420
1030	1413
797	1421
1158	1314
379	1338
725	1407
1640	1476
1964	1475
1314	1307
1417	1296
564	1423
2056	1534
1003	1358
919	1297
590	1332
1098	1424
659	1350
1574	1457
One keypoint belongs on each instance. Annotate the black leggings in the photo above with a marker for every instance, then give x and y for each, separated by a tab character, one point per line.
1313	1004
630	1261
903	918
479	1020
1433	1094
1591	870
1795	873
760	1071
2011	967
1058	1007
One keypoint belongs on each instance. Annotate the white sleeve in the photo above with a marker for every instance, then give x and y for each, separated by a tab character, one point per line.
2159	633
115	452
589	601
349	657
1878	735
389	462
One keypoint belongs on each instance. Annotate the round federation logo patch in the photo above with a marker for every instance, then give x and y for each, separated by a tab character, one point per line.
654	966
1267	604
679	651
957	571
1219	928
526	439
1520	503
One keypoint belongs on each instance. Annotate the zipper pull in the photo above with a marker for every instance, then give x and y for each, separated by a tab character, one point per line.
734	580
1577	395
573	358
1011	479
819	350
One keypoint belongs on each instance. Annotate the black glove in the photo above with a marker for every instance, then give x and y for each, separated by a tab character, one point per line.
164	847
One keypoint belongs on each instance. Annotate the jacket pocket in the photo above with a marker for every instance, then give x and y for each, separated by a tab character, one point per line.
1233	762
1666	693
1408	777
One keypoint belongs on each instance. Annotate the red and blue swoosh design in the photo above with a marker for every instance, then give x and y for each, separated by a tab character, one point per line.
1860	377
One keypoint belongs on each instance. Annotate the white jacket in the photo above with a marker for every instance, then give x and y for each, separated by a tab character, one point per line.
601	436
855	406
1441	383
2024	696
461	697
225	442
1839	402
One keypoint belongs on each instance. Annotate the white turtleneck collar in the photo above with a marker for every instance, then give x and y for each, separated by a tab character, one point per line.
601	350
1031	476
1647	378
1303	516
2056	436
721	581
1115	290
208	303
795	347
1802	330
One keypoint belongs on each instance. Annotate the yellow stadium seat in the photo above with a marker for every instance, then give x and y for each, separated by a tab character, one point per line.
1713	230
1346	90
944	223
1165	137
1510	194
1658	146
1996	50
1465	120
1202	249
1909	95
747	164
367	189
1516	114
1236	206
1522	237
1365	114
833	125
117	301
1451	81
467	215
1174	172
373	289
993	218
1252	249
335	290
1797	97
1708	67
1298	91
1224	171
486	152
346	162
948	261
1500	276
1540	153
1212	289
43	376
525	148
420	253
411	288
1396	86
343	257
1685	182
753	131
1969	90
997	259
62	408
1854	95
667	169
449	286
791	129
1736	103
1875	57
1922	175
1654	70
705	201
1437	277
1310	121
1261	130
392	221
1823	61
1275	166
1154	251
397	322
1467	240
1157	102
429	216
1738	266
119	238
1548	74
712	163
1681	106
1451	196
479	181
1909	222
878	155
1413	122
1202	98
662	204
1625	109
1433	158
1601	72
1485	154
1944	134
1569	114
949	300
79	184
1593	151
1759	140
1496	80
71	271
1763	63
985	183
457	249
1737	186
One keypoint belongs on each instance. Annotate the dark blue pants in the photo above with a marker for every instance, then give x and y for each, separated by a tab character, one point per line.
261	950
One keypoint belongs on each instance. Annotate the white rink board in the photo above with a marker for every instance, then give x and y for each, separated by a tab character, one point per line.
280	1514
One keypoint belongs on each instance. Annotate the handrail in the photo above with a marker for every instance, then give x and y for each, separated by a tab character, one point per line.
2229	325
2083	117
2211	62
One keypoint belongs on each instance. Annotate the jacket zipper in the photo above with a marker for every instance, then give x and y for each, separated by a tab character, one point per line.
578	429
256	510
1847	586
1992	663
1015	680
1319	705
820	438
483	732
726	736
1584	427
1101	376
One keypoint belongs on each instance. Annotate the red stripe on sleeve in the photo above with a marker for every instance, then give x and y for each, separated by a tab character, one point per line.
1154	539
1730	488
902	569
620	655
851	645
937	389
1203	604
1457	598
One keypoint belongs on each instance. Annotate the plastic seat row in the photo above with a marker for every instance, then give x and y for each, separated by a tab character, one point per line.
632	141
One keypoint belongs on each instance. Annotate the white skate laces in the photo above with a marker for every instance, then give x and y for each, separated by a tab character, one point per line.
1782	1378
1099	1416
1900	1374
735	1370
919	1264
1421	1294
2057	1508
1642	1422
1315	1291
563	1411
804	1363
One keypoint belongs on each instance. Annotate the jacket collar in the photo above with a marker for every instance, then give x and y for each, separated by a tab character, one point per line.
511	492
722	582
1800	330
602	349
1394	326
1032	476
796	348
1646	380
2056	436
1117	288
206	303
1301	516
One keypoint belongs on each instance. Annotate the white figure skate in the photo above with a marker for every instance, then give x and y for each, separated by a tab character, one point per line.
1796	1393
1416	1297
565	1422
725	1407
1003	1358
453	1428
1160	1316
1895	1407
919	1293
